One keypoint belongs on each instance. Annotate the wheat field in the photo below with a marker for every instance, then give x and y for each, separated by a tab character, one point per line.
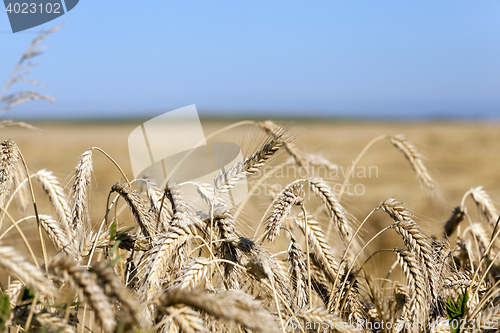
410	244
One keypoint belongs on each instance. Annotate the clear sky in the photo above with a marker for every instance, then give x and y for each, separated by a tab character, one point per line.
120	58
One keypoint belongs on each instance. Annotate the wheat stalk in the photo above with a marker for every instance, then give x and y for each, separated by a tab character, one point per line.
8	161
57	197
341	219
276	131
79	192
290	196
137	207
90	292
161	254
251	165
417	309
319	245
298	274
56	234
31	276
416	242
485	204
114	287
415	159
193	273
228	305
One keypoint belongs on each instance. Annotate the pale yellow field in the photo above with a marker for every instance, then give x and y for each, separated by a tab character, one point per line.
458	155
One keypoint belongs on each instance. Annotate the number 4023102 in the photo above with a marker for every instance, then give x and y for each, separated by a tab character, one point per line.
32	8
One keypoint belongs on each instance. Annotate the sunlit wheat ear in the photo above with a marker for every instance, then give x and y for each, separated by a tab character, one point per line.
114	287
455	219
414	157
341	219
228	234
290	196
319	317
192	275
8	164
177	197
416	241
251	165
160	256
52	323
79	193
485	204
395	210
417	307
227	305
277	131
262	265
454	284
137	207
90	292
319	245
187	319
15	264
13	290
57	197
56	234
298	274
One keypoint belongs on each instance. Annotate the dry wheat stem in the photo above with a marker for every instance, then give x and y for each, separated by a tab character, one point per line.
112	161
23	236
35	207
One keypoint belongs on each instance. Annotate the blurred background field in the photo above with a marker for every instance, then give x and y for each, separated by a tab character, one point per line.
459	156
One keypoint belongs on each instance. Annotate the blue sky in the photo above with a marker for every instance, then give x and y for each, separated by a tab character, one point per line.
331	58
